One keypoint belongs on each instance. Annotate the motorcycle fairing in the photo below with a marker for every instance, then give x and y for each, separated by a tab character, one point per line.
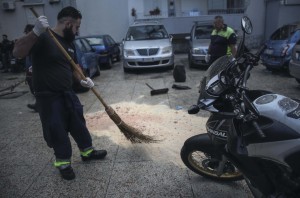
274	151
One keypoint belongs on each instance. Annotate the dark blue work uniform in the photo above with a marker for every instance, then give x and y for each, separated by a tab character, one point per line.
220	42
59	108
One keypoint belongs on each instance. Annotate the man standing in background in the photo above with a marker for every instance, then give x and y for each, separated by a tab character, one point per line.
6	47
223	41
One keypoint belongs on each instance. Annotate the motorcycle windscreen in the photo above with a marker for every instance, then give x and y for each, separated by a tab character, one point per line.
217	66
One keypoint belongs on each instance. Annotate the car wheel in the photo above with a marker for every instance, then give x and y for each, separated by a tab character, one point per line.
118	58
191	65
109	63
269	69
190	62
98	71
298	80
126	70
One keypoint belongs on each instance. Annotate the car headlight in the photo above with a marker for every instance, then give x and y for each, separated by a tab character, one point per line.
128	52
199	51
167	50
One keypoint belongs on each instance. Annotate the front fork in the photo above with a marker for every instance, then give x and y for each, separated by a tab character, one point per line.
221	166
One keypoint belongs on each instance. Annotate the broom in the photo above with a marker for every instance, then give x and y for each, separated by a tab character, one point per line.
131	133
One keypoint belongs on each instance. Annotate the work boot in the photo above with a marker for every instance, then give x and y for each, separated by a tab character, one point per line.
65	169
32	106
67	173
93	155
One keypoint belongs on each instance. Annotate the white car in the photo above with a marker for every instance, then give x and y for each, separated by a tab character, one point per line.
147	45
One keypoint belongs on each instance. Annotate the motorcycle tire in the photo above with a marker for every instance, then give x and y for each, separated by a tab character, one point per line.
198	152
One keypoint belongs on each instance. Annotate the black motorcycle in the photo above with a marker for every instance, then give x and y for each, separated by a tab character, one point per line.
251	134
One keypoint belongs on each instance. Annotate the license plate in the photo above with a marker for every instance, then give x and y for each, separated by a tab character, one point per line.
13	61
147	59
269	51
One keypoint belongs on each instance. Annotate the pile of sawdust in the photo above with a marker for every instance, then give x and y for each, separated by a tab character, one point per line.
158	121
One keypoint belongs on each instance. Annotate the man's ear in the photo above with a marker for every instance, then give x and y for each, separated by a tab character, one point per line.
68	24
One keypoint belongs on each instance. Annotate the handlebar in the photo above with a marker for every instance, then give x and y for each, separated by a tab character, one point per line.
194	109
261	50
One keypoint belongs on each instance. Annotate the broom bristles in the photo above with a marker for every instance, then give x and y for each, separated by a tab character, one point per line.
131	133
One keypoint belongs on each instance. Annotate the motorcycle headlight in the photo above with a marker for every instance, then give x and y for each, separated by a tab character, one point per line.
215	88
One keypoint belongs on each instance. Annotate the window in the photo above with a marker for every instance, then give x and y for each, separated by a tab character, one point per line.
226	6
95	41
109	40
146	32
150	5
79	45
86	45
203	31
283	33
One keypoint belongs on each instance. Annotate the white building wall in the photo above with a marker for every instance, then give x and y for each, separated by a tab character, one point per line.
13	22
104	17
114	16
256	12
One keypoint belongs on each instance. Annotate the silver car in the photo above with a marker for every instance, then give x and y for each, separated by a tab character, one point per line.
294	65
147	45
199	40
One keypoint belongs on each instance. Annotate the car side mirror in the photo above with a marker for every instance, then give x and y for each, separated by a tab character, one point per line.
171	38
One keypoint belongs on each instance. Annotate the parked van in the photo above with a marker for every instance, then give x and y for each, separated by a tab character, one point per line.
278	53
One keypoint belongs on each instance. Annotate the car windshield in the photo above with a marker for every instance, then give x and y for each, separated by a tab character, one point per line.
203	31
146	32
284	32
95	41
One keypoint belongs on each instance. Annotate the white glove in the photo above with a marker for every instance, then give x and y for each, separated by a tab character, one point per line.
207	58
88	83
41	25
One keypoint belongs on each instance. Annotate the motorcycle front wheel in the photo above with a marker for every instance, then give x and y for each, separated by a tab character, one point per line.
198	155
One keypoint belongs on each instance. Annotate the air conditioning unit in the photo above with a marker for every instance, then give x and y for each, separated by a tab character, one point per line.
8	5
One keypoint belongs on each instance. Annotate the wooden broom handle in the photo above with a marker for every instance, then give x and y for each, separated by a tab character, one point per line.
74	65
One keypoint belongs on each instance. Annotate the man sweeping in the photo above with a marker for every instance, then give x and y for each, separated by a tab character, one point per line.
59	108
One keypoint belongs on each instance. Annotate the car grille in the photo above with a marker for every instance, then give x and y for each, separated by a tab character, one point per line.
148	52
151	63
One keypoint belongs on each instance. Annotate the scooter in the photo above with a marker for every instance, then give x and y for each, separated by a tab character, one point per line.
251	134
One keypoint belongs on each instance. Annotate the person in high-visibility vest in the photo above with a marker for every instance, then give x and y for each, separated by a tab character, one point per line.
222	41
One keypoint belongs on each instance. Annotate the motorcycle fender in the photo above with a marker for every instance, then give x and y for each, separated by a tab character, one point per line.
204	143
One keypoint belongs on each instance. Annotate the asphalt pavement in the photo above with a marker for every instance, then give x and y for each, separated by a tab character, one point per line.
129	170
